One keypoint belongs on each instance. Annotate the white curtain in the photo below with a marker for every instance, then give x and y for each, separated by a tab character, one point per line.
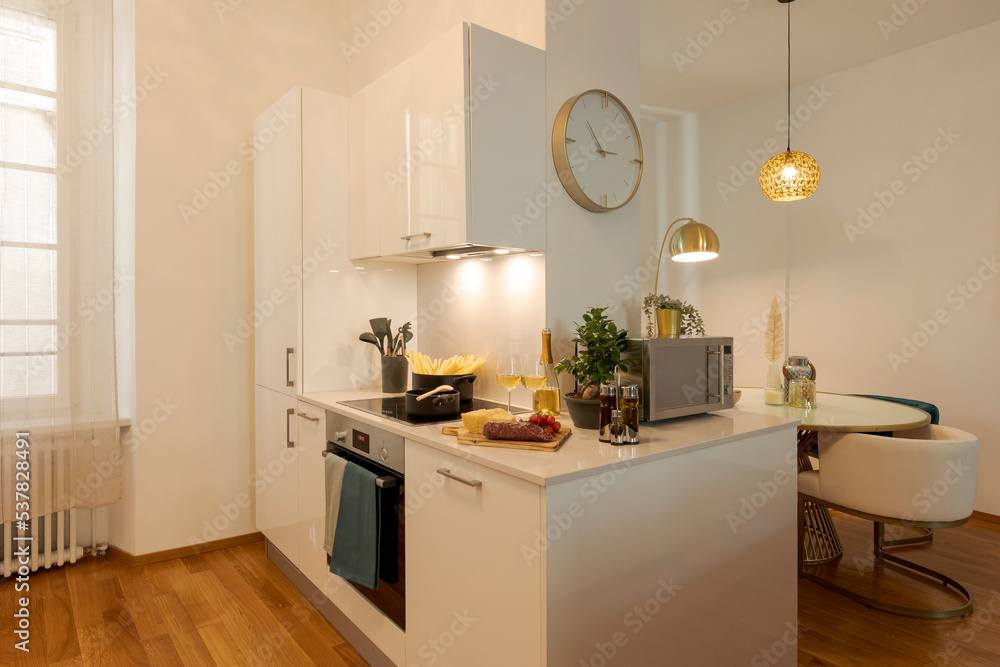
57	281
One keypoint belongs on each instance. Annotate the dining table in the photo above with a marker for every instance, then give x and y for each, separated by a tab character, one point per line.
832	413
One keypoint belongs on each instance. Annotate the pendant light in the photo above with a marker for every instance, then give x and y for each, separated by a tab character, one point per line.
791	175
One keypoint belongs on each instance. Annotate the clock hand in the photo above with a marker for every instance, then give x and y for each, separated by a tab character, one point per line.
599	149
609	153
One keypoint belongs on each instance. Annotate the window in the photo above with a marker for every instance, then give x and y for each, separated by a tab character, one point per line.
28	203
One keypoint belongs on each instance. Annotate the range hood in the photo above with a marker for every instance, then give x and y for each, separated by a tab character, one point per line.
466	251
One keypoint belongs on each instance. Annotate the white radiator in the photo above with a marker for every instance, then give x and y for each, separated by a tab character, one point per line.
53	542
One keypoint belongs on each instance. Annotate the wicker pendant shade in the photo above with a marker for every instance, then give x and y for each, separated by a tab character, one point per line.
791	175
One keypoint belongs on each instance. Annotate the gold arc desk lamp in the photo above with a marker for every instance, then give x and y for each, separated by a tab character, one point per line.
692	242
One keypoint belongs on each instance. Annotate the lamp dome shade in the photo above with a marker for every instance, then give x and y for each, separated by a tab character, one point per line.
694	242
789	176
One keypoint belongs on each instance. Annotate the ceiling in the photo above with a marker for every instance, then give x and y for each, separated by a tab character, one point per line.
743	53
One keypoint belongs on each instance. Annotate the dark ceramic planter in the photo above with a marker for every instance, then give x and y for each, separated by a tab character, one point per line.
585	414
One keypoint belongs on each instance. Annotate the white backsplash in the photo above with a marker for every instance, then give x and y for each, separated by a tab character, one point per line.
473	306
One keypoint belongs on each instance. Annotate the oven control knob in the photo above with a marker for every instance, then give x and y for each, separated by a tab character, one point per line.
383	454
341	436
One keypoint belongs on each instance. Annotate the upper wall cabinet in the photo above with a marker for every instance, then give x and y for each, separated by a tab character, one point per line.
448	149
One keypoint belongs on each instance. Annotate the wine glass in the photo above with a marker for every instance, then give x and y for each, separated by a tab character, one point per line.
509	373
532	375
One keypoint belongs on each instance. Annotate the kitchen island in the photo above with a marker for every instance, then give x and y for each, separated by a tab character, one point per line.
679	550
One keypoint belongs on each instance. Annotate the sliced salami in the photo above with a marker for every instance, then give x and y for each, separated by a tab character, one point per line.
516	431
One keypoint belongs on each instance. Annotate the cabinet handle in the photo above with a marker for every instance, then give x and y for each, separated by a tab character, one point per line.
288	428
289	382
418	235
307	417
467	482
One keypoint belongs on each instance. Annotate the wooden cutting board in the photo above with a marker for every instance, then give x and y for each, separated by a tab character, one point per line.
465	437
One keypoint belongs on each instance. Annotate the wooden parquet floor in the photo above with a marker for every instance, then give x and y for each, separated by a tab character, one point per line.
838	632
233	607
229	607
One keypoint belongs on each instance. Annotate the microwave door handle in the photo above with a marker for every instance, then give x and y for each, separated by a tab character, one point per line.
718	374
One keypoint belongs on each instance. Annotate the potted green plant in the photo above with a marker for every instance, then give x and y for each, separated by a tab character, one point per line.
674	317
599	347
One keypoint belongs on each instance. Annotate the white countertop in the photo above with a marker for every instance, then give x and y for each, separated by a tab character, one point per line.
582	455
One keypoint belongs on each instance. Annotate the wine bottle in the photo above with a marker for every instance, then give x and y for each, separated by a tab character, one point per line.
546	400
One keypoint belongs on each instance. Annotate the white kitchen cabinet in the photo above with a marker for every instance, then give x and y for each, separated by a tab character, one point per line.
311	483
472	597
448	149
300	213
276	470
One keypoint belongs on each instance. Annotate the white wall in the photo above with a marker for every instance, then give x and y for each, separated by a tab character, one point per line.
588	254
222	64
477	307
865	292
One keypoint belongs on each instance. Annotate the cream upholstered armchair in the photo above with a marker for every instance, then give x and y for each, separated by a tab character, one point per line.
924	478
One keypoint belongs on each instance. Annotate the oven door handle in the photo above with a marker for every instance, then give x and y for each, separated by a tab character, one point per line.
384	482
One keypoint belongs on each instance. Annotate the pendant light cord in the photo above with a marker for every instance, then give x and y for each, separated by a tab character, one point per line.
788	93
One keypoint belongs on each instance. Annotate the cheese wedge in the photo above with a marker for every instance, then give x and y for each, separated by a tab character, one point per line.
474	420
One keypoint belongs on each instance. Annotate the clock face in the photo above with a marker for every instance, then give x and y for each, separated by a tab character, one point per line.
597	151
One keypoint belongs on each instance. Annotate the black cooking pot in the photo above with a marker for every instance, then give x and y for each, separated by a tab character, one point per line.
442	404
463	383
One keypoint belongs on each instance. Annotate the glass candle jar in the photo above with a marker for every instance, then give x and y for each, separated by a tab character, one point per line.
802	393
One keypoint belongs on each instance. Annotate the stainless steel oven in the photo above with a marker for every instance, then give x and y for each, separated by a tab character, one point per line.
380	452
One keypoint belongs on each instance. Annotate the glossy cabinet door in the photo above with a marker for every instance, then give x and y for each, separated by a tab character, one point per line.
311	491
473	597
324	238
379	165
277	244
276	470
449	148
435	122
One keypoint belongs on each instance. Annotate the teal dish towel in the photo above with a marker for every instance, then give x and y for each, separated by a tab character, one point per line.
335	467
355	543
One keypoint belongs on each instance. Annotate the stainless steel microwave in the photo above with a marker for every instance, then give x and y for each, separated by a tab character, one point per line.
680	376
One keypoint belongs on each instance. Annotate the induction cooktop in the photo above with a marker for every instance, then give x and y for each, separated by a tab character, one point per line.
394	407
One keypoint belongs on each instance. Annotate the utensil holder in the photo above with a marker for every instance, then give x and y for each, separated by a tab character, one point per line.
394	374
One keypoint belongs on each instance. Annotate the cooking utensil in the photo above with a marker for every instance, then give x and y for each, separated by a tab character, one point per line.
462	383
436	390
380	328
444	404
370	338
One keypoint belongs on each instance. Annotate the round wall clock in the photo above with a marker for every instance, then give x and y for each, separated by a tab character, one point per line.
597	151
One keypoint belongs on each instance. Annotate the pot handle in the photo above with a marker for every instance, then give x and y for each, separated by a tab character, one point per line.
469	378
